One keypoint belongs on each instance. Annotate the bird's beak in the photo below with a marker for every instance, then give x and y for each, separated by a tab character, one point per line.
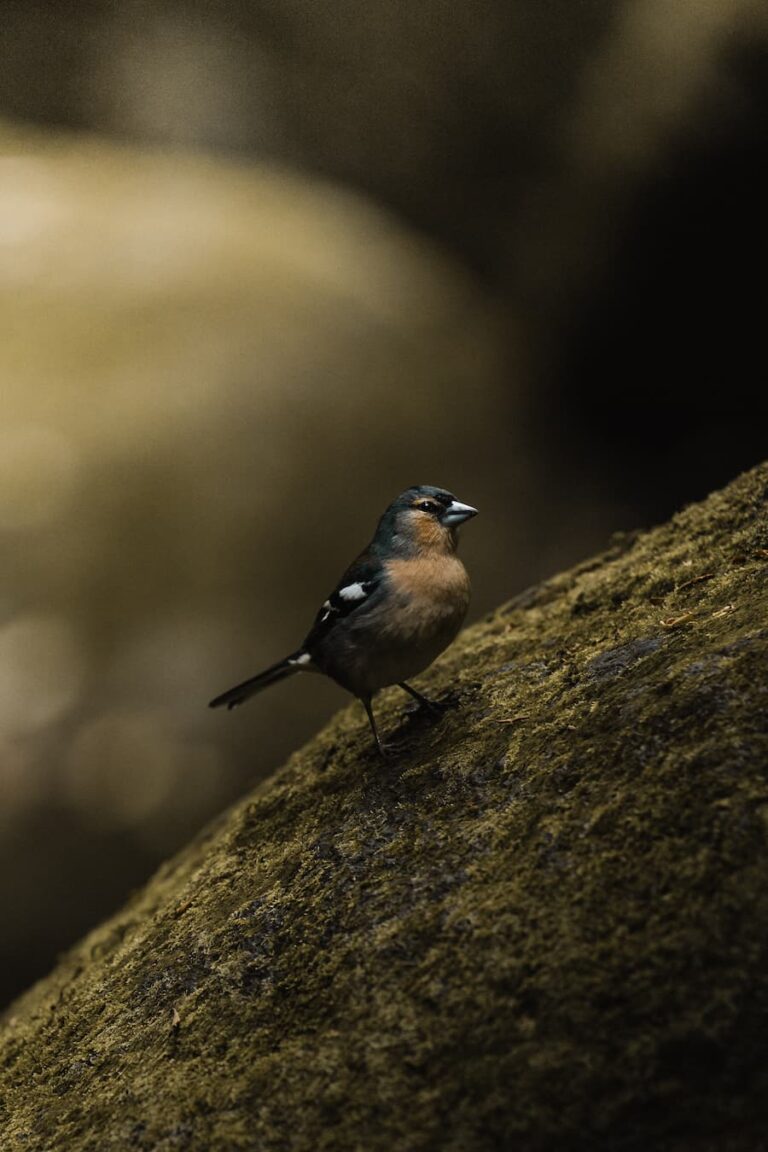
457	513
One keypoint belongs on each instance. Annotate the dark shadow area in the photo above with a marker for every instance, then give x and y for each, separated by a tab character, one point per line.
657	381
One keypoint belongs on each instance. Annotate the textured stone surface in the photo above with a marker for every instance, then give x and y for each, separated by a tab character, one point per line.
543	927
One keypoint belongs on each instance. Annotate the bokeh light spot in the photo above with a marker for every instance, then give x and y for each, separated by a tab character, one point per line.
38	474
41	671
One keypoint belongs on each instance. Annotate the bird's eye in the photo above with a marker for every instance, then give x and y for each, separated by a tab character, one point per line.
428	506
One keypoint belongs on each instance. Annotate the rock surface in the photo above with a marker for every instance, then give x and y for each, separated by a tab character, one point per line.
543	926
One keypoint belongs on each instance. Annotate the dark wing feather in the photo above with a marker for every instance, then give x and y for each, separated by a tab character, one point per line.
352	593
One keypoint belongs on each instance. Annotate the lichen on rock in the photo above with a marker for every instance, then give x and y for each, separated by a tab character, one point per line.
543	926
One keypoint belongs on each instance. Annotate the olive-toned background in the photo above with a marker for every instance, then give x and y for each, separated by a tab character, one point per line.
261	267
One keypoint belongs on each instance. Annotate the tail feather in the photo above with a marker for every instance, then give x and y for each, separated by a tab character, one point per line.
241	692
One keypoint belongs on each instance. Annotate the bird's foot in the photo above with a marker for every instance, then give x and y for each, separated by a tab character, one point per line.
432	708
425	705
391	750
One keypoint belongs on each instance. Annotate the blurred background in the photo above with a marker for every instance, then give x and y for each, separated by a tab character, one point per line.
264	265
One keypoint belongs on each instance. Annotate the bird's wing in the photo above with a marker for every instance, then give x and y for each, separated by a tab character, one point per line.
353	593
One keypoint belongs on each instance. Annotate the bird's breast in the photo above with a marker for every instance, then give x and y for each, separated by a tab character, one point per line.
420	612
430	594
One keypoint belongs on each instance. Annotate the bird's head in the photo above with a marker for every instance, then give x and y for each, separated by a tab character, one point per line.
423	518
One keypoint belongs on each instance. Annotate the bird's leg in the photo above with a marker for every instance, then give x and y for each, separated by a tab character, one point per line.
430	705
369	711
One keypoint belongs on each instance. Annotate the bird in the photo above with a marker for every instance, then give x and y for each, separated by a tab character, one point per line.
394	610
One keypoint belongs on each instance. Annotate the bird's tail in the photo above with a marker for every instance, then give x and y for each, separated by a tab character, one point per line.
237	695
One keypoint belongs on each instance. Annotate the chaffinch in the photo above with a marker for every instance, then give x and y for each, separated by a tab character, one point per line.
395	609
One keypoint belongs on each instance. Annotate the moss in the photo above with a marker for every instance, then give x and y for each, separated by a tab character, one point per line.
544	927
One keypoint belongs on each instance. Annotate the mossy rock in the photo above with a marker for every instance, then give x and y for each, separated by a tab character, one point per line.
543	926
